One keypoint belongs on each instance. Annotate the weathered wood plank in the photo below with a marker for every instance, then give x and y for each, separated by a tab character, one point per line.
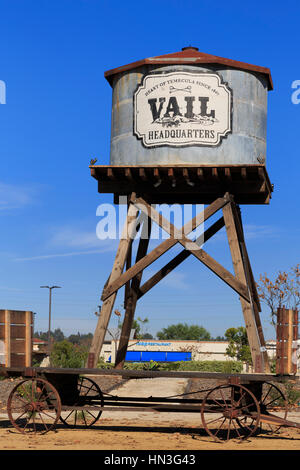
239	269
142	174
28	339
240	233
245	378
7	320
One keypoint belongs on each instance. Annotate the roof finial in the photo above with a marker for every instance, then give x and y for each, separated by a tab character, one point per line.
190	47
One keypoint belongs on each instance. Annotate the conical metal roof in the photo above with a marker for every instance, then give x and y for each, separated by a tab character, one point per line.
191	55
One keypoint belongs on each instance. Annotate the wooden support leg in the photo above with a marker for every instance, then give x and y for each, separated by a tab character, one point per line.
239	224
132	298
252	285
128	265
242	274
127	285
107	306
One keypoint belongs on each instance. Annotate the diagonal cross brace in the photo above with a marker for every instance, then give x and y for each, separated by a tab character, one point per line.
176	236
140	265
182	256
194	249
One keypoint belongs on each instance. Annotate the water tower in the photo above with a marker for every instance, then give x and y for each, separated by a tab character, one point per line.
187	128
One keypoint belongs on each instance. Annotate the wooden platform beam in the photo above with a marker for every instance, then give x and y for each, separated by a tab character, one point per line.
186	183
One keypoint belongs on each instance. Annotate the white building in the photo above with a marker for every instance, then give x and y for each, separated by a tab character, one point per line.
173	350
168	350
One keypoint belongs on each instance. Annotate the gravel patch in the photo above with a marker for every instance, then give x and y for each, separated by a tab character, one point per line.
198	388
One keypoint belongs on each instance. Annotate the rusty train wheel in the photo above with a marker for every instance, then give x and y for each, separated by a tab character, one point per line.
88	392
34	406
233	404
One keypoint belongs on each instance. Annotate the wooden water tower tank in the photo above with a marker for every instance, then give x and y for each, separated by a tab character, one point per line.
187	128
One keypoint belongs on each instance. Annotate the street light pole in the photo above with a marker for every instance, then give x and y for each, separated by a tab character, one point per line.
50	303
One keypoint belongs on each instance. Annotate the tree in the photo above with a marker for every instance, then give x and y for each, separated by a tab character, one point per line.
284	291
80	338
147	336
184	331
238	347
56	335
138	325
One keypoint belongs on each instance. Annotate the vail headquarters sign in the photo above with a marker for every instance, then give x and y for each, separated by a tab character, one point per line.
182	108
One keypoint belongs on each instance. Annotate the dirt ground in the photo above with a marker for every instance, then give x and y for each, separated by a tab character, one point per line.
140	430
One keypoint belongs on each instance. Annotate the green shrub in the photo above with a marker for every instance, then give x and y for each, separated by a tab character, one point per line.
134	365
226	367
152	365
67	355
101	364
292	393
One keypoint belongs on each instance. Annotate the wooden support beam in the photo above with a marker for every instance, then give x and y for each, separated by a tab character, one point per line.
205	258
244	173
241	274
227	173
172	177
106	310
110	174
200	174
286	346
128	174
255	303
163	248
249	183
186	176
28	338
133	296
240	231
142	174
127	285
7	336
261	173
215	174
157	177
182	256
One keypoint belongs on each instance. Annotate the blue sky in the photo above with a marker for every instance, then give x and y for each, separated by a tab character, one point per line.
57	117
